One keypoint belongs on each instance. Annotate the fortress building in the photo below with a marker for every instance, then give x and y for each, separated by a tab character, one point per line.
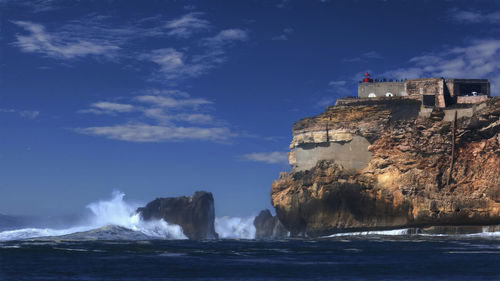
433	92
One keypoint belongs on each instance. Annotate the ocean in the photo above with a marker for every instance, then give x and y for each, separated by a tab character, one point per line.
113	243
356	257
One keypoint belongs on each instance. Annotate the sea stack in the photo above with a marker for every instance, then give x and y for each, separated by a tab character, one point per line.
195	214
427	155
268	226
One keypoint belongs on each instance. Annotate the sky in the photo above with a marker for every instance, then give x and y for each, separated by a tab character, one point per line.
163	98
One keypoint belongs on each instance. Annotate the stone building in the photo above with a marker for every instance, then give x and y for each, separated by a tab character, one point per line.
433	92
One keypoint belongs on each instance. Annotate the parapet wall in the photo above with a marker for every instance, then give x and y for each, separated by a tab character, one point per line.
471	99
381	89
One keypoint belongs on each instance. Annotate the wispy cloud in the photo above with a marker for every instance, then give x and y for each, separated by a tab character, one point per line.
157	133
99	36
282	4
35	6
186	25
111	108
479	59
56	45
172	102
364	57
159	116
227	36
30	114
275	157
284	36
176	65
471	16
337	83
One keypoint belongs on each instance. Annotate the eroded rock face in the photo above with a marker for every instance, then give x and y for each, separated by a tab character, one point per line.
195	214
268	226
406	181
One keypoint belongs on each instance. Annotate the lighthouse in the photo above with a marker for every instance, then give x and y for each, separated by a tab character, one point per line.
367	78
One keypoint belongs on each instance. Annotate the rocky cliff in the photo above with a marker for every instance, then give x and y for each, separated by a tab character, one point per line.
195	214
375	164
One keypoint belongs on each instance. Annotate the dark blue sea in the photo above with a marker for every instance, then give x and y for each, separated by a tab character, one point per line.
369	257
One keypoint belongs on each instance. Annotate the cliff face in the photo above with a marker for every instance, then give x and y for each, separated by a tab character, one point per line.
195	214
376	165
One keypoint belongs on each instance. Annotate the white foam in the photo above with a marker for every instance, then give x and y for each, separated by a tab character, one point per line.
235	227
485	234
393	232
111	212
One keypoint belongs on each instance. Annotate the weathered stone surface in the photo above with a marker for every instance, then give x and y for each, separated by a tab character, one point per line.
405	183
268	226
195	214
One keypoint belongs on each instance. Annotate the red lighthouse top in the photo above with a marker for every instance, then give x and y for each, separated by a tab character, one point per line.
367	78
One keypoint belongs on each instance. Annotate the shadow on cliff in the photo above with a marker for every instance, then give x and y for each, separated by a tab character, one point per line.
341	207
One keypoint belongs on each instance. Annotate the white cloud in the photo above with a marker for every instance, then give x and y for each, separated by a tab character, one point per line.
187	25
365	57
56	45
110	108
282	4
159	116
284	36
157	133
196	118
165	101
30	114
337	83
476	60
227	36
113	106
176	65
281	37
267	157
471	17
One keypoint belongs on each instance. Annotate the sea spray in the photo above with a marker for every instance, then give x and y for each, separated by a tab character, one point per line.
106	212
235	227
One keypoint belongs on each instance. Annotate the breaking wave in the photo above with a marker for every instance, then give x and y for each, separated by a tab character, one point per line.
235	227
103	213
486	232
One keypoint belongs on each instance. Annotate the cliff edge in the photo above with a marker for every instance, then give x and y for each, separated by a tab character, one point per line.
379	164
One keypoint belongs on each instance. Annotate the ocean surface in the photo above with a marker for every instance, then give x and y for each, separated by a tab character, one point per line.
357	257
113	243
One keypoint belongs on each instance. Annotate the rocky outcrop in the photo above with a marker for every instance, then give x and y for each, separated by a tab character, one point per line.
414	175
195	214
268	226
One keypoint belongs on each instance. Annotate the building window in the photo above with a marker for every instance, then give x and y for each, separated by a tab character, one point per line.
389	94
372	95
429	100
421	91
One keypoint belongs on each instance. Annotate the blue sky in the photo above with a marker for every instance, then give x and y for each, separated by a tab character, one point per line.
162	98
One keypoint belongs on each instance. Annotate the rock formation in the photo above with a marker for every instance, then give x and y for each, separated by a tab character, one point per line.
377	165
195	214
268	226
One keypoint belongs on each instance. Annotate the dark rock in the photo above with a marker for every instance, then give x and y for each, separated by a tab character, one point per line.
195	214
268	226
